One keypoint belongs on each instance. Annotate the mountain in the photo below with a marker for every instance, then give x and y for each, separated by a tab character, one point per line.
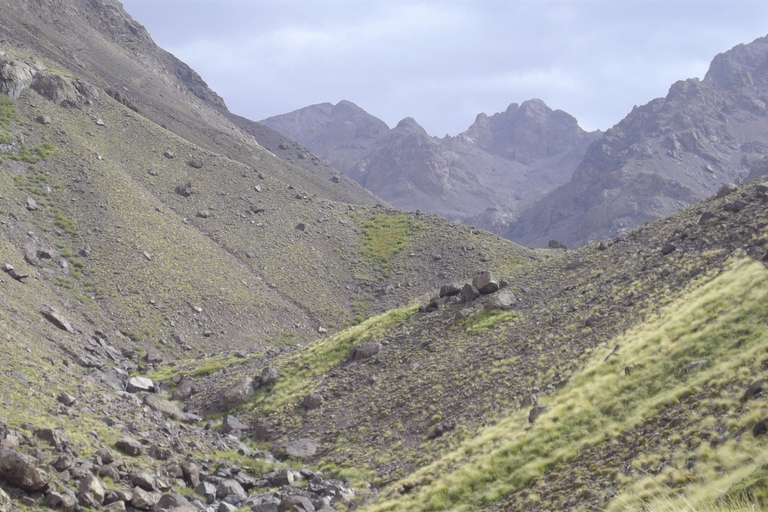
663	156
188	321
484	176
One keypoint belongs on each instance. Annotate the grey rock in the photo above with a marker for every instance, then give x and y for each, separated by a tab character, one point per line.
226	507
503	299
6	505
66	399
196	162
668	248
536	412
57	319
106	456
231	423
229	488
115	506
302	448
296	504
144	480
554	244
450	289
695	365
268	377
312	401
727	189
129	446
191	473
207	491
31	204
109	471
469	293
91	492
237	394
485	283
140	384
185	189
166	408
23	471
144	500
754	389
363	351
56	437
173	501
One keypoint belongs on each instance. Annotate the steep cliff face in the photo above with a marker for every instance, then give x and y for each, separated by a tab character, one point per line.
483	176
663	155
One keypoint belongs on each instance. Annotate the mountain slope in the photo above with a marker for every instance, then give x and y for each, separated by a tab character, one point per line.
662	156
483	176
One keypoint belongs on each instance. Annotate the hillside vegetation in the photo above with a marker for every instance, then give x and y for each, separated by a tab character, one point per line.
188	327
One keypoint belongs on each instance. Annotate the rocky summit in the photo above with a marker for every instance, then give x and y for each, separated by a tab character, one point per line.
197	313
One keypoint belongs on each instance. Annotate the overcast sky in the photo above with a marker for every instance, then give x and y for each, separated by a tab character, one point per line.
442	62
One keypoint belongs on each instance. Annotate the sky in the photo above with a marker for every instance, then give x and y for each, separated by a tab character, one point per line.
444	61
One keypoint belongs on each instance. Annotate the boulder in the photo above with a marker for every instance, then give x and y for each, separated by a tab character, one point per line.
196	162
91	492
185	189
554	244
237	394
184	389
174	501
503	299
191	473
57	319
15	76
469	293
312	401
137	384
363	351
302	448
166	408
207	491
230	488
485	283
129	446
54	436
450	289
296	504
66	399
268	376
144	500
727	189
536	412
231	423
23	471
144	480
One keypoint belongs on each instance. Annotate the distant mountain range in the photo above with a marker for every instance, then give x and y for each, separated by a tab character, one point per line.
484	176
532	174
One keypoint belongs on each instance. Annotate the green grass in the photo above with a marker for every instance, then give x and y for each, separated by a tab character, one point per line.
383	236
299	376
484	320
723	320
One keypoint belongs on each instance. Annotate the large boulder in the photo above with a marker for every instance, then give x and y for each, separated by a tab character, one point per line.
137	384
302	448
237	394
485	283
129	446
296	504
144	500
450	289
503	299
164	407
91	492
312	401
469	293
174	501
23	471
15	76
363	351
268	376
230	488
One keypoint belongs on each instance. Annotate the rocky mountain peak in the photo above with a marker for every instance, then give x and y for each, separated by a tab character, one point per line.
743	65
409	125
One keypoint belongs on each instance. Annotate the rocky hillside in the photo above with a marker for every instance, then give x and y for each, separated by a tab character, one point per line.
189	322
484	176
663	156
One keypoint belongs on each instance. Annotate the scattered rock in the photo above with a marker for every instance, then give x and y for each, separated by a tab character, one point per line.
302	448
207	491
57	319
23	471
440	429
450	289
31	204
668	248
503	299
165	407
230	488
760	428
230	423
237	394
144	480
185	189
54	436
268	376
140	384
129	446
312	401
144	500
196	162
296	504
529	401
695	365
301	226
554	244
754	389
726	189
168	154
485	283
174	502
536	412
203	214
91	492
363	351
469	293
66	399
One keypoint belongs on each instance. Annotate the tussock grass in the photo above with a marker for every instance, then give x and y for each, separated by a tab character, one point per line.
722	319
299	376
